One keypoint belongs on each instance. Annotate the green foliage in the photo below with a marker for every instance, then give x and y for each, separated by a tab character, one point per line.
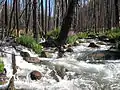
82	35
113	34
71	39
1	65
54	33
29	42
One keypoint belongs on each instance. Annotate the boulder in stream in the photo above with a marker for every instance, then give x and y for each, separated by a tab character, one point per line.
93	45
46	54
35	75
24	54
69	50
32	59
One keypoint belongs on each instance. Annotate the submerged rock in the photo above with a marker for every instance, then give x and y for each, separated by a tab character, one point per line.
93	45
69	50
24	54
53	74
35	75
45	54
32	59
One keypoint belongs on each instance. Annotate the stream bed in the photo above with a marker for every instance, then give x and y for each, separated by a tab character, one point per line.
78	73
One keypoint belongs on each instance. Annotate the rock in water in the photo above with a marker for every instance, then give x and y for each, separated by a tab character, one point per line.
93	45
32	59
24	54
35	75
69	50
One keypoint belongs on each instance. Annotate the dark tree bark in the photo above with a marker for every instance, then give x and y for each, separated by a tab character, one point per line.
17	19
35	30
6	18
10	21
45	17
42	17
116	13
66	24
49	17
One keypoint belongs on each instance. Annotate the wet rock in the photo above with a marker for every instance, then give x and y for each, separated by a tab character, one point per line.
11	85
32	59
93	45
101	56
91	36
60	71
3	79
49	42
101	43
24	54
53	74
112	40
69	50
103	38
45	54
35	75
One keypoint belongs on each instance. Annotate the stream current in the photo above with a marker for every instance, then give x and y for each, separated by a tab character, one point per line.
80	74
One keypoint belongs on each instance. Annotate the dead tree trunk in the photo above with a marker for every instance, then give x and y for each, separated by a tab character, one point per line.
35	30
66	24
116	13
11	83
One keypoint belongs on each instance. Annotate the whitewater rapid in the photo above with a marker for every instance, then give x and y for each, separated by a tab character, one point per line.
83	75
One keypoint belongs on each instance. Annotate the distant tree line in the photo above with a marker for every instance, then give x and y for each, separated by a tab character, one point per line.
40	16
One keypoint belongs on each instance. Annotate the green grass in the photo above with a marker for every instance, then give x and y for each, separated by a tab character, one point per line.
54	33
29	42
1	65
113	34
71	39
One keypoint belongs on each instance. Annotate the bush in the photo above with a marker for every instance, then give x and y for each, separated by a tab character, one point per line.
1	65
113	34
71	39
82	35
54	33
29	42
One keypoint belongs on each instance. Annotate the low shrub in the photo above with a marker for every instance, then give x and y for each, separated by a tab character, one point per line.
113	34
71	39
1	65
54	33
82	35
29	42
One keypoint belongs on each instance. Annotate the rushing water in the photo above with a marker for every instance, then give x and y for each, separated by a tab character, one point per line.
80	75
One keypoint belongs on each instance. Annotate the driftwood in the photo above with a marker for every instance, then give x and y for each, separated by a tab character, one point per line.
11	83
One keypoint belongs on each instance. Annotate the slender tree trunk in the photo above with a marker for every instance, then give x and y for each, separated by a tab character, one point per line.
45	17
17	19
42	17
35	30
49	17
11	16
6	18
26	14
116	13
28	17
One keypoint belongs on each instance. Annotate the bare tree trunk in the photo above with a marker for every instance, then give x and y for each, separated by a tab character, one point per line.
42	17
11	16
11	83
116	13
28	17
35	30
66	24
6	18
45	17
17	22
49	16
